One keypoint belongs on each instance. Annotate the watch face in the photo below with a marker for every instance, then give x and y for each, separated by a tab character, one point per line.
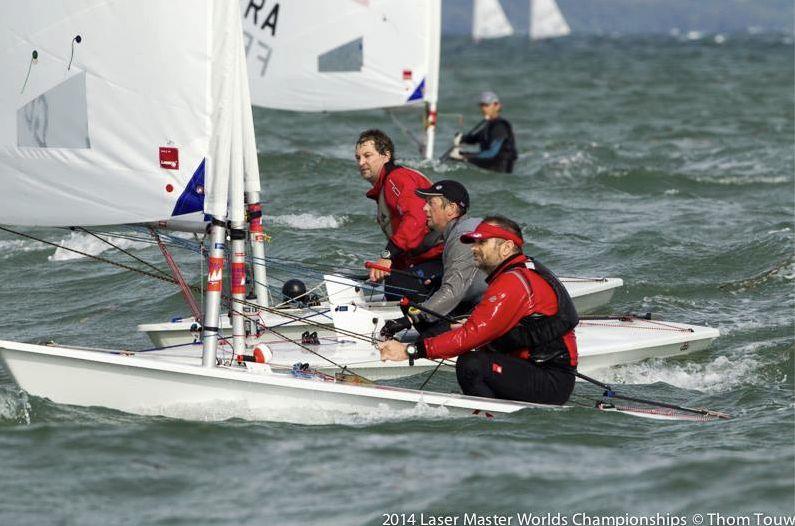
386	255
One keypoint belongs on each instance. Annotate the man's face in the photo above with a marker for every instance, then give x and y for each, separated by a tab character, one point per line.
370	161
488	253
491	110
437	213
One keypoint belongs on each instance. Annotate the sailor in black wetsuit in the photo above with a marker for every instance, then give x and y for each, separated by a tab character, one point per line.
494	136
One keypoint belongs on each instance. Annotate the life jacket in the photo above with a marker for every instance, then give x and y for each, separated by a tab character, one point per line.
384	217
508	150
538	337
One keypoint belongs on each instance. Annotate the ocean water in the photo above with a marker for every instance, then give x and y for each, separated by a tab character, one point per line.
667	162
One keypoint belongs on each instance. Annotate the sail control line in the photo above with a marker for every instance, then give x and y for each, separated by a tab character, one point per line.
663	411
177	274
216	264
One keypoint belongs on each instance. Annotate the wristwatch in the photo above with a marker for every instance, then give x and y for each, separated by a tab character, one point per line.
411	350
386	254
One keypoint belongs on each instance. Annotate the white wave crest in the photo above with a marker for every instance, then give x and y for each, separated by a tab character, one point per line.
225	410
307	221
89	245
745	180
11	247
672	191
14	406
721	375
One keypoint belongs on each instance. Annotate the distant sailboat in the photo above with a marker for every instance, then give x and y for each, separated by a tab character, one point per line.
489	20
546	20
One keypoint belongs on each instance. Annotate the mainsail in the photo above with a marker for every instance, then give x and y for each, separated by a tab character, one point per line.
546	20
489	20
337	55
105	126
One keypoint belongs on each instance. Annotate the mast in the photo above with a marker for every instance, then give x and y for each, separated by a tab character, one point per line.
212	299
252	196
257	240
224	192
237	215
432	95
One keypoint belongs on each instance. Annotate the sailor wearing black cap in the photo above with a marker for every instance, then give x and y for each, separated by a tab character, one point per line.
446	206
493	134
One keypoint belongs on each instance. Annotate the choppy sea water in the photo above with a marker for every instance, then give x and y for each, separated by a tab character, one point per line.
667	163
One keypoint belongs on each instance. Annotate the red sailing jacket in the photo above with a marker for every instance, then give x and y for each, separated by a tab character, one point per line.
410	240
505	303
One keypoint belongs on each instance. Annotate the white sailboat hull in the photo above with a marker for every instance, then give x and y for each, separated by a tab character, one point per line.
588	295
151	386
601	344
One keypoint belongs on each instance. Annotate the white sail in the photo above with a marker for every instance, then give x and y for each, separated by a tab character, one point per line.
107	126
336	55
489	20
546	20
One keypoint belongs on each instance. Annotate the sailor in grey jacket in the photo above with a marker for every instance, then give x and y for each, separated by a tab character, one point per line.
446	205
462	283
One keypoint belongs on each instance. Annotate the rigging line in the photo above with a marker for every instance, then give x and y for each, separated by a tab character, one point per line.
136	258
431	375
369	339
577	279
312	314
293	301
227	299
329	360
610	393
33	57
160	277
77	39
404	129
372	290
308	271
187	294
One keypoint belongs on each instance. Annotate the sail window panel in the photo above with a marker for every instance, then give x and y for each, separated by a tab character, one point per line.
58	118
348	57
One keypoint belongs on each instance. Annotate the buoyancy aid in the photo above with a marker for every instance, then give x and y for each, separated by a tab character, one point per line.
537	337
389	217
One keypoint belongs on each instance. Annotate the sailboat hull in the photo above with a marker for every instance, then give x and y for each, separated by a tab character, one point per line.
602	343
588	295
148	386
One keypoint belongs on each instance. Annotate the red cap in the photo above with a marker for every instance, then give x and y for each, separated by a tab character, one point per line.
487	231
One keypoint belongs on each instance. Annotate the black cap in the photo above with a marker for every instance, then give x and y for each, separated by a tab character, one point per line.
451	190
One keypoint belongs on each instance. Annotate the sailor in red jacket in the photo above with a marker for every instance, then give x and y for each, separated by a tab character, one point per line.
519	342
411	245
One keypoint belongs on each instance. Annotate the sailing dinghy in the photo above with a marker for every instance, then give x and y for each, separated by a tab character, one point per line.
589	294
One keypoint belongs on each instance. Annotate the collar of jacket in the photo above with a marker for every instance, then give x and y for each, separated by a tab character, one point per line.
373	192
511	262
451	225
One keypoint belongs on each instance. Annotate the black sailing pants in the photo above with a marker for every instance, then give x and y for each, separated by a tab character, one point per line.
495	375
